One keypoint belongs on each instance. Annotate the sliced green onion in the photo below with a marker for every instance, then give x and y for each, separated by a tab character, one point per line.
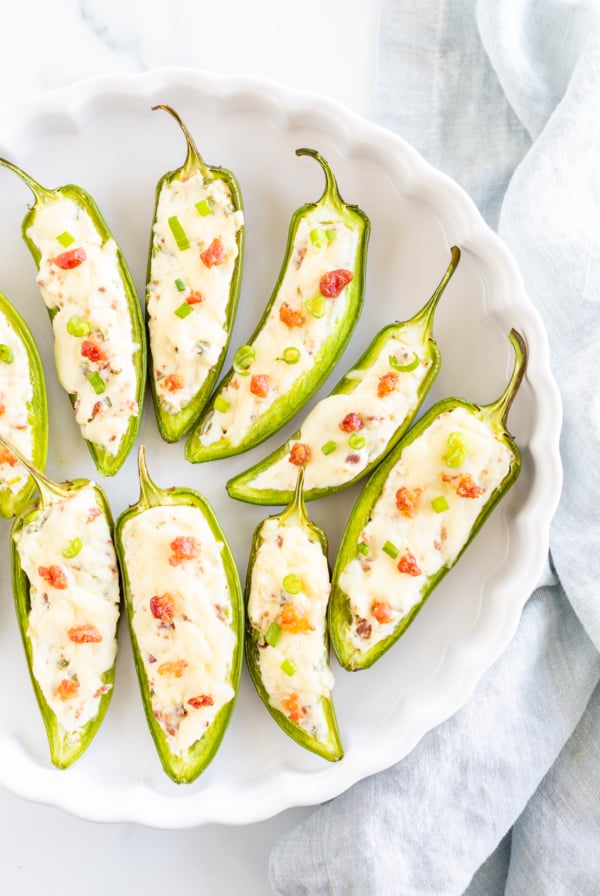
290	355
204	208
7	356
65	239
440	504
316	237
331	235
13	481
179	233
183	310
77	326
73	548
243	358
328	447
221	404
97	383
391	550
316	306
273	634
180	285
458	451
288	667
292	584
404	368
357	442
363	548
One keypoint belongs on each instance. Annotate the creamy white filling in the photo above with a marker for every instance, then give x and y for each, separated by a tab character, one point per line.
434	539
285	550
184	349
16	395
300	283
90	598
94	292
188	653
381	415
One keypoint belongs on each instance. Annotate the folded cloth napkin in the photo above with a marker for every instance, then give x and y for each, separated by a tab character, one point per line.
503	798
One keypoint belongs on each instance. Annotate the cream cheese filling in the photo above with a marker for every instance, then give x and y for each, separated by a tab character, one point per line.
16	395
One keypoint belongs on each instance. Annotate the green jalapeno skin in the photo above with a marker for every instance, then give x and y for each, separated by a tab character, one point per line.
107	463
415	332
173	425
186	766
342	620
65	746
291	397
11	503
330	747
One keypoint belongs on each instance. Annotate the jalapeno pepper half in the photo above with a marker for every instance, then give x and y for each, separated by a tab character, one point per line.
415	517
67	595
185	612
100	346
23	408
287	645
349	432
193	285
307	322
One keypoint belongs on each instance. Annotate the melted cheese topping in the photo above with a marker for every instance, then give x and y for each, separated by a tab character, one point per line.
186	348
16	395
381	413
187	650
300	284
373	582
94	292
71	600
286	550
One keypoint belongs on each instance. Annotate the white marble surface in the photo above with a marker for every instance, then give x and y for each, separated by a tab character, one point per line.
323	46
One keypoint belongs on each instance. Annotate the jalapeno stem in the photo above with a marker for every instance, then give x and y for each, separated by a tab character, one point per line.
423	319
49	489
496	413
150	493
193	160
296	512
331	194
41	193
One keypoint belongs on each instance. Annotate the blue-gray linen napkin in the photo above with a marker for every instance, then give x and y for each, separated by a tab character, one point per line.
503	798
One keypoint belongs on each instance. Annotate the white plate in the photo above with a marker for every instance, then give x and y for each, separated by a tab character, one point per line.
102	135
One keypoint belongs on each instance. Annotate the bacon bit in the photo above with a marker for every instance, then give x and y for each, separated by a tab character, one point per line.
300	257
98	408
165	722
7	457
71	259
84	634
352	423
194	298
364	629
2	408
175	668
290	621
259	385
449	477
333	282
162	606
93	514
279	541
353	459
214	255
92	351
54	576
381	611
184	547
293	707
172	383
290	317
299	454
408	564
202	700
406	500
468	488
151	658
67	689
387	384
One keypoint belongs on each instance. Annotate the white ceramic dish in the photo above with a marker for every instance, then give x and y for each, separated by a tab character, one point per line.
102	135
